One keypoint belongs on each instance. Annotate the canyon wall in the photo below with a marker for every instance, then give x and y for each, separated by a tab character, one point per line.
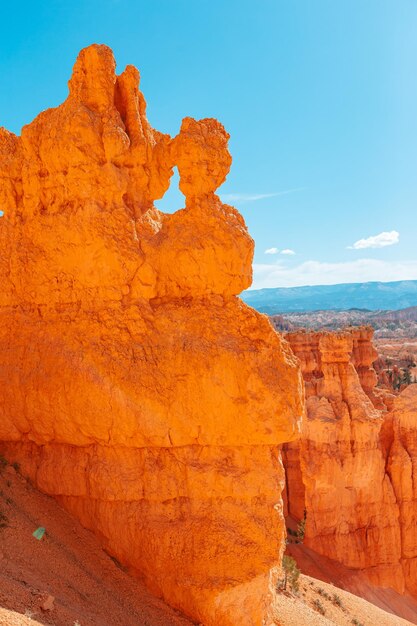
135	386
354	469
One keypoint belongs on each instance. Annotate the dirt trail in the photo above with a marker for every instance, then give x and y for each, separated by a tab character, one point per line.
88	587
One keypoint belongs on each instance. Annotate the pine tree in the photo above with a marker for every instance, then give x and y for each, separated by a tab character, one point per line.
301	527
406	377
291	574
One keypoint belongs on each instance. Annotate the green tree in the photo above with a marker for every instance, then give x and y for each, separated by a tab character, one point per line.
291	574
406	377
301	527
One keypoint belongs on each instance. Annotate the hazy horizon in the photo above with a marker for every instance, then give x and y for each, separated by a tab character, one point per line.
356	282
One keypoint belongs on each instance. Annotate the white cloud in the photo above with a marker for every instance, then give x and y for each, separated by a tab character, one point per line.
317	273
253	197
377	241
287	251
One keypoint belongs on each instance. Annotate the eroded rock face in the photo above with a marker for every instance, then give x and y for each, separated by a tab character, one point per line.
354	468
402	470
135	386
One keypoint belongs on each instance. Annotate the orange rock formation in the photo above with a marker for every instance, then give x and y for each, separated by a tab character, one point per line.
135	387
354	469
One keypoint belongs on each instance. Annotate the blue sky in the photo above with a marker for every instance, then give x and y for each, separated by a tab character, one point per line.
319	96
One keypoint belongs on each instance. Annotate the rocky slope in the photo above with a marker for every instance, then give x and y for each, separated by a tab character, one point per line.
134	386
321	569
354	469
322	604
67	579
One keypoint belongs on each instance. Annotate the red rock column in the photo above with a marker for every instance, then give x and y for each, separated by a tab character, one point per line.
135	386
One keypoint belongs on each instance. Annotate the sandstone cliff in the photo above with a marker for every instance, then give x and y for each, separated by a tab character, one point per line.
354	469
134	386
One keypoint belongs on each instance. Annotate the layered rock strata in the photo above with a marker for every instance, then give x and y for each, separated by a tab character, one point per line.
354	468
134	385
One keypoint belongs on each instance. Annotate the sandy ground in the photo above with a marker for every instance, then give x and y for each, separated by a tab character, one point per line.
88	587
325	570
321	604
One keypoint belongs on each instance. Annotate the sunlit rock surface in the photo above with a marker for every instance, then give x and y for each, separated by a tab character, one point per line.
354	470
134	385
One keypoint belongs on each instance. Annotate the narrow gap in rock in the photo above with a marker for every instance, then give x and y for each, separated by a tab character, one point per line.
173	198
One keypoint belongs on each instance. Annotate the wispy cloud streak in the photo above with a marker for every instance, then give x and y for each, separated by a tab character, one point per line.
254	197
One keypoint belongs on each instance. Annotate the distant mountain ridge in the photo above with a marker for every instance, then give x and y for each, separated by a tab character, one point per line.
371	295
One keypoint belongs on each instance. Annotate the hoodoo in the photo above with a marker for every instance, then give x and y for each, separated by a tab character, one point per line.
354	468
135	386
